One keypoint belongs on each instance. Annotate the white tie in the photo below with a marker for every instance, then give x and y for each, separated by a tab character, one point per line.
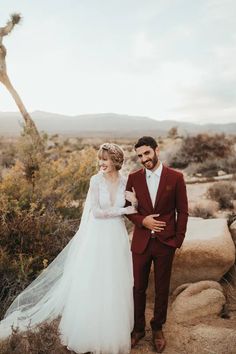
153	184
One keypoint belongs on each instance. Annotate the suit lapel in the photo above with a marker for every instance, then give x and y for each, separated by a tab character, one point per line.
161	185
145	189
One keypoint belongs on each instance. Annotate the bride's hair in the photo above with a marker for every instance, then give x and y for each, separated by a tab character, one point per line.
115	153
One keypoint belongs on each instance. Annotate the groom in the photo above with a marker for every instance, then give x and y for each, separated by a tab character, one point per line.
160	227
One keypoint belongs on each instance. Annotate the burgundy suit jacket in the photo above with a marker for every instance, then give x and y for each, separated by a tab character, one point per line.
171	203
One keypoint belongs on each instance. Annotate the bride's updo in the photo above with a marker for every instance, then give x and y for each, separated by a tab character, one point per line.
115	153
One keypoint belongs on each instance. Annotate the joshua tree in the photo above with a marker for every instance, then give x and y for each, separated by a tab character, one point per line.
29	123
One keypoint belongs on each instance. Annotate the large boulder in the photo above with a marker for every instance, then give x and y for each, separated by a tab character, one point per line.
232	271
207	253
232	229
192	301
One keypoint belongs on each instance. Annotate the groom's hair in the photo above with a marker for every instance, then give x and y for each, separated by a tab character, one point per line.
146	140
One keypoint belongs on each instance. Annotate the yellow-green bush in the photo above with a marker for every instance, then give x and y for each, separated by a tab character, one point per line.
41	201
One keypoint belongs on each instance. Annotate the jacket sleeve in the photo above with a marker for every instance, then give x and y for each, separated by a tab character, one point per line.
136	218
97	211
181	210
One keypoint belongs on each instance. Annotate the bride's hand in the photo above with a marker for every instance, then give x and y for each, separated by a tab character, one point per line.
130	210
131	197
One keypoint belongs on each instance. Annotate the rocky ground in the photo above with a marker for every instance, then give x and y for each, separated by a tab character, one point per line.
213	335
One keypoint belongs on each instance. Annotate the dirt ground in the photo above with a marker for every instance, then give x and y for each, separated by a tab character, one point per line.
173	331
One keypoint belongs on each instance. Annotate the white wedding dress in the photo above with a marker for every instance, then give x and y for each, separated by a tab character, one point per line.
89	284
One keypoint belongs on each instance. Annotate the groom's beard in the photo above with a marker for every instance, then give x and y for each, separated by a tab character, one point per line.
151	163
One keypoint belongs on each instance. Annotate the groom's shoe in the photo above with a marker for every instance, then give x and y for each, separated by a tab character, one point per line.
159	341
135	338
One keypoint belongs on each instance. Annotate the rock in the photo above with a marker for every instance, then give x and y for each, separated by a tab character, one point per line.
221	173
195	179
200	339
213	340
232	229
232	271
204	298
207	253
224	177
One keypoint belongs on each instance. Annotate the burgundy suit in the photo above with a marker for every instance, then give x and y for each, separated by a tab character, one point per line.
171	203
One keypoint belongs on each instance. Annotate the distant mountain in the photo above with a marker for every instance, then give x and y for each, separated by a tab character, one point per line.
105	124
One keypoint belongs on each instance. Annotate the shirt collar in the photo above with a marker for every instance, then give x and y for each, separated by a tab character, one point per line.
157	172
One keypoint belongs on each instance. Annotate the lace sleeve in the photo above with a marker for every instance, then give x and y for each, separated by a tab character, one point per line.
97	211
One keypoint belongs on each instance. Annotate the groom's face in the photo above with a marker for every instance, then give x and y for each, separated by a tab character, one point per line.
148	156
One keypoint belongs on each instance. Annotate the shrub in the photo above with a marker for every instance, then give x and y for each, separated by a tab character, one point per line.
30	240
7	156
210	167
11	279
173	133
201	211
196	149
44	340
40	210
224	193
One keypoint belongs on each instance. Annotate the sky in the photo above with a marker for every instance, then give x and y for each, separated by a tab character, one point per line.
164	59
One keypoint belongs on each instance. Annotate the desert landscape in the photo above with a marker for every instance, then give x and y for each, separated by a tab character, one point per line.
41	202
166	69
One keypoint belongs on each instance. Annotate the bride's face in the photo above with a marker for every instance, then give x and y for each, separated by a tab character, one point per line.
105	163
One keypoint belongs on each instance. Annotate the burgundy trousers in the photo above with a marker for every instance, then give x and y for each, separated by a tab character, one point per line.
162	256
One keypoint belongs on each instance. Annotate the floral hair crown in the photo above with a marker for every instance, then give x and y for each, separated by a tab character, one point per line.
110	147
115	150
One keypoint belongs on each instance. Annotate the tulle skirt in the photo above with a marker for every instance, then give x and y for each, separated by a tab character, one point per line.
89	285
97	315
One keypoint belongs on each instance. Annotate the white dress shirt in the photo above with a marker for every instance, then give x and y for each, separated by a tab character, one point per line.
153	180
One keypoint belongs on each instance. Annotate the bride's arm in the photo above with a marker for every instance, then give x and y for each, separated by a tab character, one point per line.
97	211
136	218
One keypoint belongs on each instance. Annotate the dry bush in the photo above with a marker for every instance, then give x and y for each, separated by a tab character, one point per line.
173	133
7	156
197	149
11	279
224	193
202	211
41	201
44	340
210	167
29	242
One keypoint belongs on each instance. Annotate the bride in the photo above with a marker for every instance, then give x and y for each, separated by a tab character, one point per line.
89	284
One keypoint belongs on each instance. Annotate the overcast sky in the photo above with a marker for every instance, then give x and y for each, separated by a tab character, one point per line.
166	59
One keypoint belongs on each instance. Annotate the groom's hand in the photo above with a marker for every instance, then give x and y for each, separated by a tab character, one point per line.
152	224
